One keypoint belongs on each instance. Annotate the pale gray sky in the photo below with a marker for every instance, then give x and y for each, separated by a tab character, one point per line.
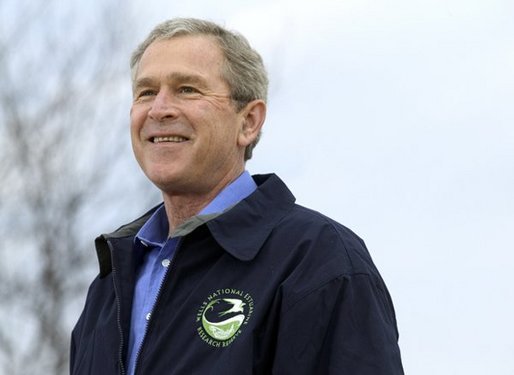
396	118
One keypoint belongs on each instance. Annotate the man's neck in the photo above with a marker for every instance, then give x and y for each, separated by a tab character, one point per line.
179	209
182	207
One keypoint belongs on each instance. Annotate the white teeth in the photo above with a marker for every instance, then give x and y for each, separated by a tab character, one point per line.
169	139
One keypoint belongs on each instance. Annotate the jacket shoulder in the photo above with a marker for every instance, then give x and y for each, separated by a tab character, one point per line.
315	251
330	238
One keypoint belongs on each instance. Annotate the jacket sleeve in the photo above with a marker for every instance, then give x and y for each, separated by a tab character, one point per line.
346	326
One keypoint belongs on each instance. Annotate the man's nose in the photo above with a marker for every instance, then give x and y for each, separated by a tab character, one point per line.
163	106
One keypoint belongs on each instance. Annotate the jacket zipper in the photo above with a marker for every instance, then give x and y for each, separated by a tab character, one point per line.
118	321
164	279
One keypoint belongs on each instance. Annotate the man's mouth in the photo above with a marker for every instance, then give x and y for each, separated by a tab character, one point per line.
175	139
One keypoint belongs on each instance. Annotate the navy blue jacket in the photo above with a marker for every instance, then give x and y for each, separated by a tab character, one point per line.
269	287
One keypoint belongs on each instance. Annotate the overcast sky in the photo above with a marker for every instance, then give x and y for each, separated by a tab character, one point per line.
396	118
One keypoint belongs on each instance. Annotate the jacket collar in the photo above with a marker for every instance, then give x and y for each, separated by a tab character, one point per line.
241	231
103	251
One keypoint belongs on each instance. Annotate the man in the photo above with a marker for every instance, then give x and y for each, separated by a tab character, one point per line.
228	275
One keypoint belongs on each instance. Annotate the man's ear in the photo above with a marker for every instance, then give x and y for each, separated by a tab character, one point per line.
254	114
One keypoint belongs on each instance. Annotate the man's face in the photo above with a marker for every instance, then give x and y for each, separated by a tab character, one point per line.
184	127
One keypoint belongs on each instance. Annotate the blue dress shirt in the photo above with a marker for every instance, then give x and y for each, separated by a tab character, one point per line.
155	251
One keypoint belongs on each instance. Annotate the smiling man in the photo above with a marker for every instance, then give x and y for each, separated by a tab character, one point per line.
187	133
228	275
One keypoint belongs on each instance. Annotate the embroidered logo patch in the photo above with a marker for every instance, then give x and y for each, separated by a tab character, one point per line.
223	315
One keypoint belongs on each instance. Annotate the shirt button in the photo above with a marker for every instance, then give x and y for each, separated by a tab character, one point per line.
148	316
165	263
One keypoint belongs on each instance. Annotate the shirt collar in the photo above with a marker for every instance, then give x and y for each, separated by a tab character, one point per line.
235	192
155	231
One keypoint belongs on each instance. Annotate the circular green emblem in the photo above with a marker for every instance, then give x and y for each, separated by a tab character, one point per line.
223	315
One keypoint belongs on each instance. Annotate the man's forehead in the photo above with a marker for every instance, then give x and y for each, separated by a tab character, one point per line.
196	60
196	51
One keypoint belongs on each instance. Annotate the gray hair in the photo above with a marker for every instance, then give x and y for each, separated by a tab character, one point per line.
243	69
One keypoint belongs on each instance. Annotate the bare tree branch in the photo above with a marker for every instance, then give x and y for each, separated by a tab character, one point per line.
61	124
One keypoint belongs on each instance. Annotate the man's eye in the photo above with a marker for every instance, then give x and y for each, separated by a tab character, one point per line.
146	93
187	90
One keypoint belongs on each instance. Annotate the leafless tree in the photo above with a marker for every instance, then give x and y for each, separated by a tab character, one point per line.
64	97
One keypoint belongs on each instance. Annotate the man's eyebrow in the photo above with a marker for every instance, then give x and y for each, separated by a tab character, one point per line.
143	82
184	77
173	77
